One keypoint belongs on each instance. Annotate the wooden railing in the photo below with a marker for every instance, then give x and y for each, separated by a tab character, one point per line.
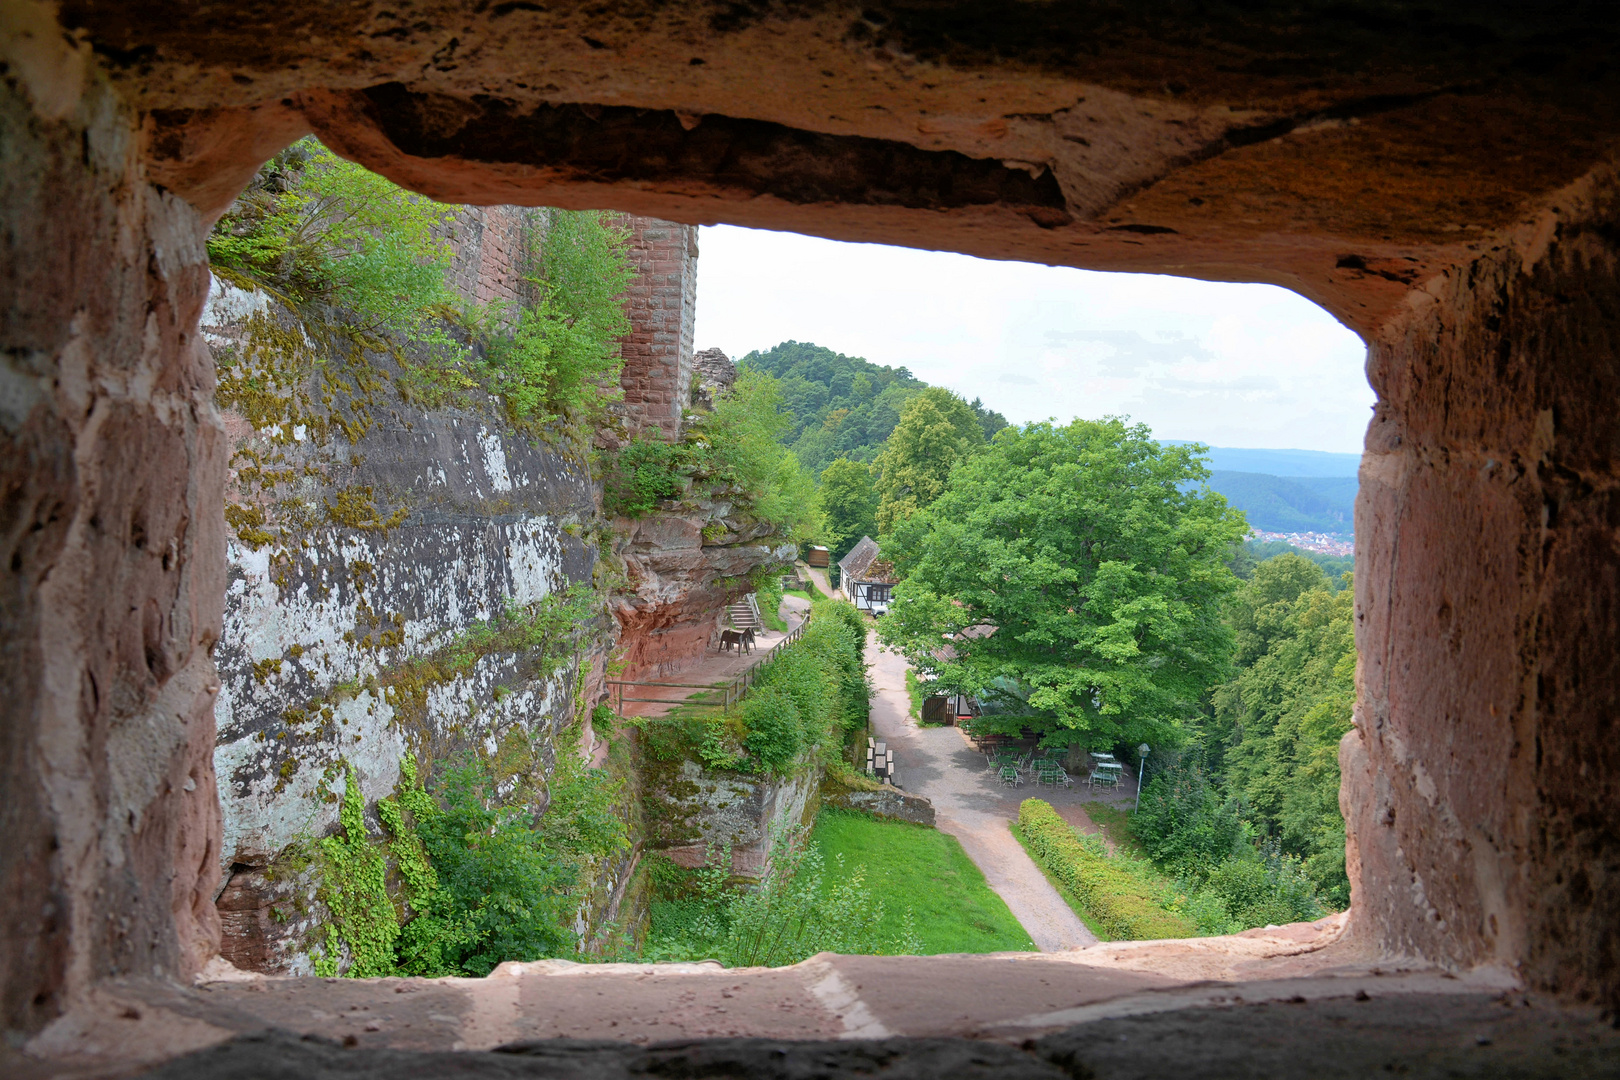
731	692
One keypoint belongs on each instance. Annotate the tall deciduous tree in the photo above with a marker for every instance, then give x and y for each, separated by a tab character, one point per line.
937	430
848	504
1100	560
1278	721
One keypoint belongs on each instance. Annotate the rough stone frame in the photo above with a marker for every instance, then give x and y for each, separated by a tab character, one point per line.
1486	597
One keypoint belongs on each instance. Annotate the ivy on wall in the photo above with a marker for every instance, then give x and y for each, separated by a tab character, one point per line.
481	879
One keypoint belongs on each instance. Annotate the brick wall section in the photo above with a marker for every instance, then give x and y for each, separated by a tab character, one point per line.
662	302
495	247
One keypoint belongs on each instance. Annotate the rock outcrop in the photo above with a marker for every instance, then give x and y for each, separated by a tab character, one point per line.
714	374
693	813
369	538
885	802
690	559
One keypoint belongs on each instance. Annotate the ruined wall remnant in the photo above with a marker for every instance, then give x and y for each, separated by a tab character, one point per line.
496	252
662	304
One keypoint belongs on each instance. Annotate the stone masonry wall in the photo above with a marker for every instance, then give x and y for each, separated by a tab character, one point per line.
496	248
662	303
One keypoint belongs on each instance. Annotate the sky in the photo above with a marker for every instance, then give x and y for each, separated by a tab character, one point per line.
1226	365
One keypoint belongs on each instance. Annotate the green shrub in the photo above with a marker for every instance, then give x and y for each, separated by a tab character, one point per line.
775	729
313	226
1123	902
508	893
642	474
479	882
1264	887
814	694
1184	825
316	229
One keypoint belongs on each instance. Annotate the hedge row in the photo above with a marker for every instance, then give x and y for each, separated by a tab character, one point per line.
1120	902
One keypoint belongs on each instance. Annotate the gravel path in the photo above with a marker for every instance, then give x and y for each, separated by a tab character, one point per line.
974	807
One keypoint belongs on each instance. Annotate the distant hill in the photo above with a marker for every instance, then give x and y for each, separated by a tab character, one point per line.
1291	464
1290	503
843	406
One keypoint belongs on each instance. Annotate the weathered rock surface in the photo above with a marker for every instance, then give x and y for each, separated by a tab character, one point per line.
885	803
1481	778
375	537
715	375
111	545
693	812
859	1016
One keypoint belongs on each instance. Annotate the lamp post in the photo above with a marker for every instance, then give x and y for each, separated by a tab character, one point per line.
1140	769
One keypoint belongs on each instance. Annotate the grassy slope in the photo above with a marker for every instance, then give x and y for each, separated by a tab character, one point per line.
1116	827
910	866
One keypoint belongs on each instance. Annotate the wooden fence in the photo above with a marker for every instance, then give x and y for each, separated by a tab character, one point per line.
731	692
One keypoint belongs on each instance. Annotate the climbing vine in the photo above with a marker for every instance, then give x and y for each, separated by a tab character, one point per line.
481	880
354	873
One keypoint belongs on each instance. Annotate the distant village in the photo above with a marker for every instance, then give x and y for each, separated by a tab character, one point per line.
1321	543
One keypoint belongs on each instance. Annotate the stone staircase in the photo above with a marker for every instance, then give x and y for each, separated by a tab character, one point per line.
744	614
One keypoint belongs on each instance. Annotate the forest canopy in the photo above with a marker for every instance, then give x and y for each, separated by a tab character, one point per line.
843	406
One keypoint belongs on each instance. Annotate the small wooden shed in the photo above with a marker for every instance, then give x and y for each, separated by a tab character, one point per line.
819	557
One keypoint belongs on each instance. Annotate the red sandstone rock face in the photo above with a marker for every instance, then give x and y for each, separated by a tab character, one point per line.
1481	778
1381	167
112	542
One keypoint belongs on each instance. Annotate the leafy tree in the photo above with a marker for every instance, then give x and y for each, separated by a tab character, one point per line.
745	451
848	503
936	431
1101	567
1334	566
990	421
313	226
1277	723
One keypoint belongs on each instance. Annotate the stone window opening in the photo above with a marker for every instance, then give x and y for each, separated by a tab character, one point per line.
1473	250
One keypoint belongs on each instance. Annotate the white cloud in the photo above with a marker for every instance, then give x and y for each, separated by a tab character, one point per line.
1229	365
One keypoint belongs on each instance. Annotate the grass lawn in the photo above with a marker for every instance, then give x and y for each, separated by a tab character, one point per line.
925	870
1115	823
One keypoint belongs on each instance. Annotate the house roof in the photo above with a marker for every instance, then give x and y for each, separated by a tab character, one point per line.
853	565
947	652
